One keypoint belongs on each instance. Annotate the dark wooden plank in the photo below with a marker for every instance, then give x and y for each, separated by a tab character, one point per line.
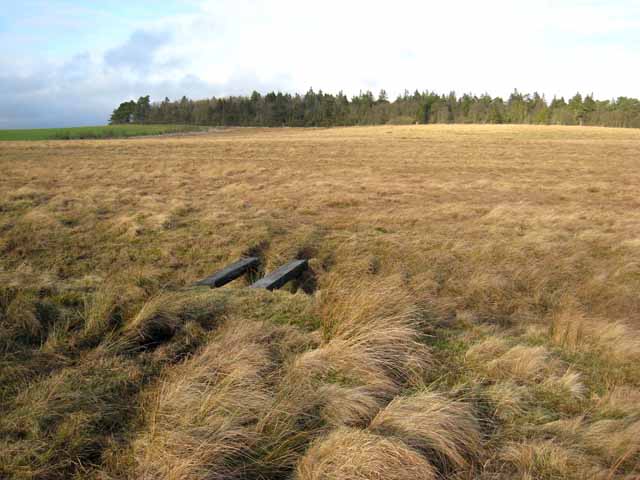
230	273
282	275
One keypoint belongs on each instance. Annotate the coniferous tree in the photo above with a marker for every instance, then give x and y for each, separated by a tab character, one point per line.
142	109
124	113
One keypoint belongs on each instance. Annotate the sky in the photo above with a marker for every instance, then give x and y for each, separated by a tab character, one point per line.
71	62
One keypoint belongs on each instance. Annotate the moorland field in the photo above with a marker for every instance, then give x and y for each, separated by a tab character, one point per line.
472	309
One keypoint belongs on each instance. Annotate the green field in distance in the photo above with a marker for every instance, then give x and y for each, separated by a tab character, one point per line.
106	131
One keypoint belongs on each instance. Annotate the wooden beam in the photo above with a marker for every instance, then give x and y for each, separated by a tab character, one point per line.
282	275
230	273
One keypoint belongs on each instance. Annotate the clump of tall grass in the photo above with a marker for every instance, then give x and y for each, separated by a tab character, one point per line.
445	431
101	310
377	321
201	423
352	454
546	459
574	331
370	348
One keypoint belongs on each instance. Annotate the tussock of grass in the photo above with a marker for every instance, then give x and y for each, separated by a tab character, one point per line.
547	460
501	362
200	425
292	421
370	349
568	385
488	349
376	321
571	330
356	454
350	406
100	311
509	400
446	431
521	363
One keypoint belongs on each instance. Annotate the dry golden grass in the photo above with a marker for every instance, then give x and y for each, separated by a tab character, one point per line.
446	431
200	425
349	454
469	285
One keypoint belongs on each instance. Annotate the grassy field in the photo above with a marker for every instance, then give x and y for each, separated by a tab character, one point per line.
100	132
472	309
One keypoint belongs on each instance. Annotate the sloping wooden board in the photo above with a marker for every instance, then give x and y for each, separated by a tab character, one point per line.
230	272
282	275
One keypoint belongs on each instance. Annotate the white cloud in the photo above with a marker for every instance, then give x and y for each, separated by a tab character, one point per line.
588	18
138	52
233	47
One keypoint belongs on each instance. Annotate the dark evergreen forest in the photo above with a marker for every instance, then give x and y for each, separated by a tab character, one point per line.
318	109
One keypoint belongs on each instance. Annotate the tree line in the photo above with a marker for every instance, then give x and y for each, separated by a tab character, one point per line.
319	109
